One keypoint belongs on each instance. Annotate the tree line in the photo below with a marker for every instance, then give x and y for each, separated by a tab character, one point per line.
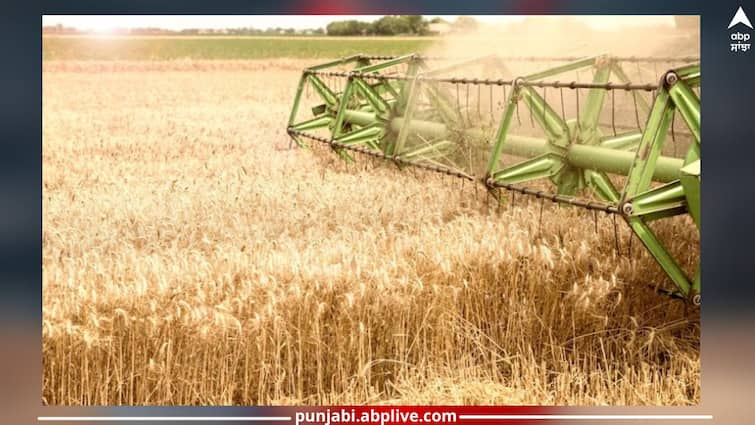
60	29
387	25
414	25
400	25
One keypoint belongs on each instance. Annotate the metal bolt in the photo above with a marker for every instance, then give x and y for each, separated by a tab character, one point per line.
696	299
627	208
671	78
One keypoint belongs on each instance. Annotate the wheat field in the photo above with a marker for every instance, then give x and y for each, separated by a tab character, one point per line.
191	258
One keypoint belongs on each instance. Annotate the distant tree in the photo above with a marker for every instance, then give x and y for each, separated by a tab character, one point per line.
391	25
387	25
438	20
337	28
465	24
58	29
417	25
350	27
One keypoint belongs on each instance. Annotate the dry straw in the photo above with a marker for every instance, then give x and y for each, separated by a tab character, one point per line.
189	258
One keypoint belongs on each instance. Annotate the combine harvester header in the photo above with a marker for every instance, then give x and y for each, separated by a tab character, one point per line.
597	144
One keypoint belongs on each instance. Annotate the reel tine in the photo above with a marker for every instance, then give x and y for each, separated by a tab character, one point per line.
458	102
503	101
540	218
636	110
631	237
576	90
616	236
492	118
466	107
563	111
595	220
479	97
613	111
518	118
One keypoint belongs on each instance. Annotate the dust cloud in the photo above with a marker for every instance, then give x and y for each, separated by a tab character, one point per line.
569	36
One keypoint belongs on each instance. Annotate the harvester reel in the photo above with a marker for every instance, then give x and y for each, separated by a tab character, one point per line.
399	109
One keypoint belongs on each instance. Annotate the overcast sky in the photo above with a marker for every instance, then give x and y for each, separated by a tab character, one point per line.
104	23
